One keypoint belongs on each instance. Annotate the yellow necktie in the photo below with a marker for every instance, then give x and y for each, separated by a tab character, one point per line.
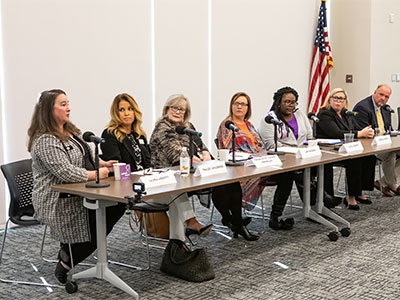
380	121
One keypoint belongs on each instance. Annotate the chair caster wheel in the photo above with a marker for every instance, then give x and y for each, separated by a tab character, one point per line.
333	236
345	231
71	287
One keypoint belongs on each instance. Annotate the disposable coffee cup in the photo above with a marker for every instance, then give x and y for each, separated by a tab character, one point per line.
117	170
348	138
223	154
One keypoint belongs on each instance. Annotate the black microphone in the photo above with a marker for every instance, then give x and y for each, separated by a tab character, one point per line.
184	130
91	138
271	120
230	125
388	108
313	117
351	113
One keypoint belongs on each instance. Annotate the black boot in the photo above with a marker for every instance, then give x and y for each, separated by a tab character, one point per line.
60	271
276	224
244	232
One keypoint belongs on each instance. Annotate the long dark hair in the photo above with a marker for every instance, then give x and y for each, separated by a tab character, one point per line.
276	105
43	121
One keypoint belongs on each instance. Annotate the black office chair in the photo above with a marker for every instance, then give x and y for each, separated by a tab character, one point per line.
145	208
398	118
20	183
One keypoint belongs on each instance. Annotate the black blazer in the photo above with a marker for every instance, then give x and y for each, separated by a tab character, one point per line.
331	126
367	116
123	152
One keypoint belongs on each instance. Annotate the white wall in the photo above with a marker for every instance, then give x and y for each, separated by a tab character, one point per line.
385	48
351	46
259	47
366	45
94	49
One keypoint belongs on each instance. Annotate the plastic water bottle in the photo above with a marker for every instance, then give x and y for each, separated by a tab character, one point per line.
184	162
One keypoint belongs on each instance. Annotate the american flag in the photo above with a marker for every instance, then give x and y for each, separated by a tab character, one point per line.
321	64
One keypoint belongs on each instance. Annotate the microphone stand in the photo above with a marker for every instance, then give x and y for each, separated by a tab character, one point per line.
191	150
276	152
314	130
234	163
97	184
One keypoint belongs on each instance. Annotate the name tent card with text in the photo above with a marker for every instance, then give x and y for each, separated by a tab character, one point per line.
265	161
381	140
308	152
351	147
211	167
158	179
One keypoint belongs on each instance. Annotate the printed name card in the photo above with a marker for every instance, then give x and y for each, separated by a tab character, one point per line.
158	179
308	152
381	140
351	147
265	161
211	167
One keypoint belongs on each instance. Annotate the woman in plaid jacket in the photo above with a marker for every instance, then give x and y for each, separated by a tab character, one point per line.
59	155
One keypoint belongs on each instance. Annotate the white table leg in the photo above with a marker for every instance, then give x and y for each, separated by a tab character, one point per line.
320	208
101	270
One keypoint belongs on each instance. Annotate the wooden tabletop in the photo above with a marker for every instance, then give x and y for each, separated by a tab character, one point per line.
119	189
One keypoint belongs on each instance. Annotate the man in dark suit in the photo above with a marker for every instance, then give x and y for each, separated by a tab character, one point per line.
371	112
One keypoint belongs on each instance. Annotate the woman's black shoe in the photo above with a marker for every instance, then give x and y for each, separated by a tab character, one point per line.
363	201
244	232
61	273
276	224
349	206
203	232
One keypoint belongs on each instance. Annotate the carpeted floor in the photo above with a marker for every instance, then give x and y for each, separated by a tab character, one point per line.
362	266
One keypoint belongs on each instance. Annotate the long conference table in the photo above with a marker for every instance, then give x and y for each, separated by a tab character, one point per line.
100	198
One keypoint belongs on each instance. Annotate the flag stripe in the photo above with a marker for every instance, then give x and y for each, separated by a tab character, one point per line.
321	64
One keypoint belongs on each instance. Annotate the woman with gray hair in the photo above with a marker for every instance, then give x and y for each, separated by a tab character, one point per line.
166	146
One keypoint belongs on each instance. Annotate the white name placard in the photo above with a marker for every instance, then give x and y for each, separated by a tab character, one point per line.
211	167
381	140
308	152
351	147
265	161
158	179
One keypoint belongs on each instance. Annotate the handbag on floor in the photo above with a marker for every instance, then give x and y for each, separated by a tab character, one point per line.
183	263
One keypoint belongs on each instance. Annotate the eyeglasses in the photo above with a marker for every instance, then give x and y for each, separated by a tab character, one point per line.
290	102
338	99
242	104
179	110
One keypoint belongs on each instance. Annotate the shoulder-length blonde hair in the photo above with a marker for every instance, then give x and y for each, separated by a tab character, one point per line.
115	124
178	100
44	122
327	104
234	98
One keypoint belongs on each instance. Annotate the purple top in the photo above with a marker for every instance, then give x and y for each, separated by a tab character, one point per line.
295	126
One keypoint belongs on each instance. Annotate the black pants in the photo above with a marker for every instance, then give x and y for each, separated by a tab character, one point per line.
360	174
80	251
227	200
284	188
